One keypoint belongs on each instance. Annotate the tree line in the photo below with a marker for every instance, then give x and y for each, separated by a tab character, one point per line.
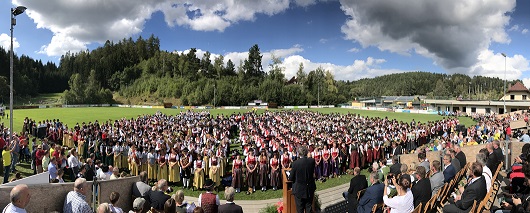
139	69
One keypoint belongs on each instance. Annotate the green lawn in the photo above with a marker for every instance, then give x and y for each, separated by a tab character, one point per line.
71	116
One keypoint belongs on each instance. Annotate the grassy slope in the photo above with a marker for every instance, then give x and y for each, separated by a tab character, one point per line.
71	116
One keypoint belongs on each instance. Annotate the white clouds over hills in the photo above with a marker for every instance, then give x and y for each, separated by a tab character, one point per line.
455	34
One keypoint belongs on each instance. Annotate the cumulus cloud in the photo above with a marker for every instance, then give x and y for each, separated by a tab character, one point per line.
75	24
493	65
291	59
5	42
453	33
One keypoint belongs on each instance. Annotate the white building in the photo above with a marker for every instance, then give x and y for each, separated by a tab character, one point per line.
517	98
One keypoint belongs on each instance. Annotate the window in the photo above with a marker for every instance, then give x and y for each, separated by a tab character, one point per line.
473	109
488	110
512	97
524	97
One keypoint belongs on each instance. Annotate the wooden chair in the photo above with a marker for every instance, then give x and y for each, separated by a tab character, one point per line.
417	209
378	207
360	193
474	207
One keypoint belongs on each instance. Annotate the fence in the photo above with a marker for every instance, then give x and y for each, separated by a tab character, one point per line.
50	197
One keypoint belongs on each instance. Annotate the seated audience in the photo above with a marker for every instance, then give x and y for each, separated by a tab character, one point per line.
372	196
113	199
208	200
418	190
474	191
357	183
437	178
158	197
104	208
170	206
138	205
19	197
404	200
75	200
449	170
422	158
230	206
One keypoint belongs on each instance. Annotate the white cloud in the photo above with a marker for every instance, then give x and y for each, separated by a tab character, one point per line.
514	28
323	40
367	68
354	50
5	42
493	65
453	33
76	24
524	31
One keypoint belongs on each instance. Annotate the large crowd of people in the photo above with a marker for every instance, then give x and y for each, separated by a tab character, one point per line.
246	151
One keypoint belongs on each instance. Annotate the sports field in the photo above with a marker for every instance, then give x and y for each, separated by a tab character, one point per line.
71	116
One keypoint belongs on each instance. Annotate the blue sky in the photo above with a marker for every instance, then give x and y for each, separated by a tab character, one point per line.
352	38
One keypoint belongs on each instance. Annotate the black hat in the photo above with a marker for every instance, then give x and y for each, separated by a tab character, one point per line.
208	184
185	149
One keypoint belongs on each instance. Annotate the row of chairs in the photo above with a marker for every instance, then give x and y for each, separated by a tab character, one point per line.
486	204
435	204
437	201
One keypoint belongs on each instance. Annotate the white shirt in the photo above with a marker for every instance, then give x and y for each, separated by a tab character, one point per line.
486	172
73	161
400	204
115	209
10	208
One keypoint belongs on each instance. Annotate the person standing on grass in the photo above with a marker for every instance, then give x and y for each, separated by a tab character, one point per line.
6	158
15	152
302	176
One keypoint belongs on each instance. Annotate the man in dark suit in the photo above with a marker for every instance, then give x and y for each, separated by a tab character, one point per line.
396	166
493	160
357	183
373	194
421	190
158	198
474	191
303	178
454	161
449	170
230	206
396	149
461	156
498	151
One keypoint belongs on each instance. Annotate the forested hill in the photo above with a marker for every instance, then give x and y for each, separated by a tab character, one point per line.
434	85
138	71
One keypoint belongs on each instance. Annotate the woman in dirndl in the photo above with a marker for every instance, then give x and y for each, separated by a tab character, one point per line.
213	173
186	163
198	175
251	162
134	161
275	171
263	172
174	169
162	165
152	170
237	173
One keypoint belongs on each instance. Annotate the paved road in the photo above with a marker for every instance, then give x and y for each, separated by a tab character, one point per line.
327	197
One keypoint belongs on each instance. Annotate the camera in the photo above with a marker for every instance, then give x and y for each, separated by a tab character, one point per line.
389	178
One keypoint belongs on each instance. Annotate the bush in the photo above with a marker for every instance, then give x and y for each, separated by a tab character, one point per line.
269	209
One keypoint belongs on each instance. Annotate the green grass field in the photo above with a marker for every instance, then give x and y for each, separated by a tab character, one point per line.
71	116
